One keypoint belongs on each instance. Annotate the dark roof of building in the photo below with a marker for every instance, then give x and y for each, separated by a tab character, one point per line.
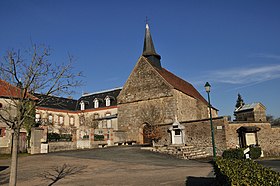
56	102
88	99
180	84
248	129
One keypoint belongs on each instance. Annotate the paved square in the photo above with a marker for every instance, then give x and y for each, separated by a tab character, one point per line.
110	166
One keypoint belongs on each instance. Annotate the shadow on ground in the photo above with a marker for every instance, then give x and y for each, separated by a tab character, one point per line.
4	177
200	181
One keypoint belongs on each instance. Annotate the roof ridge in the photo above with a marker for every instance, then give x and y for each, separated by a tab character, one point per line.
180	84
102	91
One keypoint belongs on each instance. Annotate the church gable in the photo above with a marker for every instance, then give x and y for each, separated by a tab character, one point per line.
144	83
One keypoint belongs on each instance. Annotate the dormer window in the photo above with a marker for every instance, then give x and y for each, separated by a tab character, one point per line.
107	101
96	103
82	105
37	117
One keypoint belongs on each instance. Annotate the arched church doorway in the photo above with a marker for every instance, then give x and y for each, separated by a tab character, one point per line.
146	134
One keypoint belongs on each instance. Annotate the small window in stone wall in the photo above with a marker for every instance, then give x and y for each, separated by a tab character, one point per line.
2	132
1	105
177	132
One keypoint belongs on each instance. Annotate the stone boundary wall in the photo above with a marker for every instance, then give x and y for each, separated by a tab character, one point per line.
198	134
62	146
268	137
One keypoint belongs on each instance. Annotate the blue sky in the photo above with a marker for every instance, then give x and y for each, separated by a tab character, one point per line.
232	44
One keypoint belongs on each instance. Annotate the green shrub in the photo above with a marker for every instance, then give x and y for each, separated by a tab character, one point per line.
233	154
255	152
244	172
98	137
59	137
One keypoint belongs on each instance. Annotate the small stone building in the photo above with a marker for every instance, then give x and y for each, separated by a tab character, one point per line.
251	112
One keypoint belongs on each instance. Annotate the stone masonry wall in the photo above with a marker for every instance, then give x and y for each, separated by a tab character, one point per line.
62	146
198	134
144	83
132	119
144	88
189	108
268	138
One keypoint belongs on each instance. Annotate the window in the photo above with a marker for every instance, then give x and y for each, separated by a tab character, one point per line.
96	103
96	116
72	121
50	119
2	132
82	105
1	105
107	101
61	120
37	117
178	132
82	119
109	121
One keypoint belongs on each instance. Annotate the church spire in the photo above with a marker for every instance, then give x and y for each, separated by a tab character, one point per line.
149	50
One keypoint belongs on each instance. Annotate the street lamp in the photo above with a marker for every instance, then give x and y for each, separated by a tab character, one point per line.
207	87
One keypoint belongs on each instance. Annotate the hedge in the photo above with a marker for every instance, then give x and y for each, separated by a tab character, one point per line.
244	172
98	137
255	153
59	137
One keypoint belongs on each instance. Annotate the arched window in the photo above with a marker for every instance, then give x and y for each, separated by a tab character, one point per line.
107	101
82	105
96	103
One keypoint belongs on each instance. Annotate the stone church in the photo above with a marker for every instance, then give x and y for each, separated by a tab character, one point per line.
151	88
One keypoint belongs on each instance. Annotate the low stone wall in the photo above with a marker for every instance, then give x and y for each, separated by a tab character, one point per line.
62	146
5	150
268	138
198	134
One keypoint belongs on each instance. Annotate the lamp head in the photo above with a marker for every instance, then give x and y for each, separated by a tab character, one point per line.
207	87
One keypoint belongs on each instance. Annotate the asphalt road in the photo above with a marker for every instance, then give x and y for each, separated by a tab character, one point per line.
111	166
273	164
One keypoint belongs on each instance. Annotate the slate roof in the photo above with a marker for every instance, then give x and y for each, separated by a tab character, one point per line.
180	84
89	98
57	102
10	91
247	107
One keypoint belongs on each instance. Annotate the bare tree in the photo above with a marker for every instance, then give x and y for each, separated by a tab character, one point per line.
59	172
22	75
152	116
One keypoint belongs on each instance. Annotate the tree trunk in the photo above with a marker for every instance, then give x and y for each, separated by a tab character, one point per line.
14	161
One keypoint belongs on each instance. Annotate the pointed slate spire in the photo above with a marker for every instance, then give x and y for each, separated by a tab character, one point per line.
149	49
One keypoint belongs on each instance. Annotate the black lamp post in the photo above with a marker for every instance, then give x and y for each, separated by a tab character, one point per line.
207	87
